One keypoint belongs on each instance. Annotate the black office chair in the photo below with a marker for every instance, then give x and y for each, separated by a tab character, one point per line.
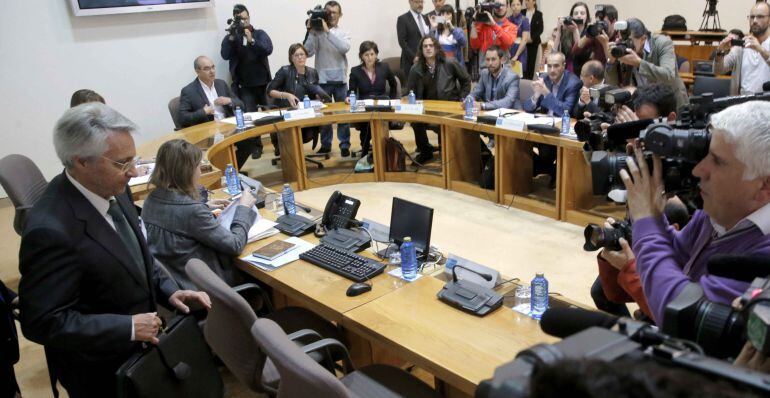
24	184
705	84
309	134
173	109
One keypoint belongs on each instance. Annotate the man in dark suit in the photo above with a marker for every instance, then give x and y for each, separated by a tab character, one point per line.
89	285
411	27
591	75
557	92
207	98
436	5
9	342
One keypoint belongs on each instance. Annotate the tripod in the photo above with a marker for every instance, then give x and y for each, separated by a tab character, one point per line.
710	13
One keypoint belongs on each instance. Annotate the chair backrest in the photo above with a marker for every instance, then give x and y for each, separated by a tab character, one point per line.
394	63
301	376
24	184
173	109
398	87
228	326
525	90
707	84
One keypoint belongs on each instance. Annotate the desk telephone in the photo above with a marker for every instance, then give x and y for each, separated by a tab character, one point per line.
340	209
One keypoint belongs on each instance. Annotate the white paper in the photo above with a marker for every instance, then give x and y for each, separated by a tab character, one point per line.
260	229
397	273
251	115
412	109
300	247
500	111
389	102
143	179
299	114
313	104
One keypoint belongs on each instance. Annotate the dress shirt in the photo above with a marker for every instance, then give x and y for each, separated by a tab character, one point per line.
418	19
760	218
754	70
211	94
101	205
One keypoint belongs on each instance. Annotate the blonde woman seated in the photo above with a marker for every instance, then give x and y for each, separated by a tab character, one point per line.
180	226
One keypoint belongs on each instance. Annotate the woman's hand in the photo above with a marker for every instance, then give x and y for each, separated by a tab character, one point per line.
247	199
217	204
293	100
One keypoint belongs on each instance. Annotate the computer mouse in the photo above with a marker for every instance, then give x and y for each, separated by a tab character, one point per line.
358	288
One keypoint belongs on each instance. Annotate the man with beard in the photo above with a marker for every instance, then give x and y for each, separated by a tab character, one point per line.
749	64
497	31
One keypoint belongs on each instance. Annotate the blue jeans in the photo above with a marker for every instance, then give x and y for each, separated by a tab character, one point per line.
339	92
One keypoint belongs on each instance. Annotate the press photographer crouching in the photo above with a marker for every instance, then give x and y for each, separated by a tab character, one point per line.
735	186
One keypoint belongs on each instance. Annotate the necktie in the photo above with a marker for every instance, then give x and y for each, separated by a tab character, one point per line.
127	235
421	24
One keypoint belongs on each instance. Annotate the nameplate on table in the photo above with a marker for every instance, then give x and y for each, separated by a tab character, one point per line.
510	124
410	109
299	114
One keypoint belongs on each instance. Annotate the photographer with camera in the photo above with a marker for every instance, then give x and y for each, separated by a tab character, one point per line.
569	30
492	27
749	62
247	50
330	44
452	38
647	59
735	187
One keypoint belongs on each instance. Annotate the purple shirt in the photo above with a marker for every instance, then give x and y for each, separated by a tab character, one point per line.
662	254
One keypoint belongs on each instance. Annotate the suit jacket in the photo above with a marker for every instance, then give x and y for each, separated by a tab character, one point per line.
506	93
657	66
364	88
409	37
192	99
79	286
565	98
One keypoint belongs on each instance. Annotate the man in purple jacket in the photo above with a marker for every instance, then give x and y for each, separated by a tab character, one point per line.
735	185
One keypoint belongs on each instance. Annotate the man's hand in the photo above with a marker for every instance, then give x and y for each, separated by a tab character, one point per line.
725	45
180	297
222	101
146	327
631	58
540	88
753	359
618	259
248	35
491	20
326	26
208	109
751	42
585	95
646	196
625	115
603	39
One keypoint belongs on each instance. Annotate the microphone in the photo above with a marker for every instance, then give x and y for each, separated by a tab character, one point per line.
564	322
484	275
740	268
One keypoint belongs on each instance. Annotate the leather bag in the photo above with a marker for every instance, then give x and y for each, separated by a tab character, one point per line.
181	365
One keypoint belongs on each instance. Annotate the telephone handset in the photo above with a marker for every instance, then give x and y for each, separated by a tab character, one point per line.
340	209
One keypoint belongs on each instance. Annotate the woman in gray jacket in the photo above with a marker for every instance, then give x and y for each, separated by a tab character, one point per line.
181	227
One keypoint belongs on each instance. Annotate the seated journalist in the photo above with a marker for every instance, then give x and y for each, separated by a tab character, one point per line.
89	285
735	187
181	227
369	81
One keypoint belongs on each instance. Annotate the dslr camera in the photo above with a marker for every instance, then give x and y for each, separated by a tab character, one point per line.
598	237
235	25
569	21
479	12
597	28
317	16
609	98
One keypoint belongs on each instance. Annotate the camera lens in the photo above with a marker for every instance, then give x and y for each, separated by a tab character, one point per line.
605	169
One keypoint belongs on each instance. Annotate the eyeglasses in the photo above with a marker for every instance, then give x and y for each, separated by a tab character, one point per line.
757	17
208	68
125	166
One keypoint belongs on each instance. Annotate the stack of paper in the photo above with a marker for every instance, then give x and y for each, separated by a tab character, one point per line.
262	228
300	247
250	117
144	178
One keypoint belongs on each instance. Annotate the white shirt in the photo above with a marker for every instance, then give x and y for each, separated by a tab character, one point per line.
420	21
101	205
754	69
211	95
760	218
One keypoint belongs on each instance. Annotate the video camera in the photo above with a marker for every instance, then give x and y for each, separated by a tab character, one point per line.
235	25
317	16
681	145
479	12
587	335
609	99
720	329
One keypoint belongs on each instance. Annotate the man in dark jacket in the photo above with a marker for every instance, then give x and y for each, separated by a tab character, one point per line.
434	77
247	50
411	28
9	343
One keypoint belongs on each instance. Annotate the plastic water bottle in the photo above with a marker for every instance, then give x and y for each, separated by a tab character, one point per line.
306	102
353	103
233	183
565	123
468	105
239	118
539	295
412	97
287	195
408	259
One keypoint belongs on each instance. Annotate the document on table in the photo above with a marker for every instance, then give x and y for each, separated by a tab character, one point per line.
144	178
262	227
300	247
250	117
527	118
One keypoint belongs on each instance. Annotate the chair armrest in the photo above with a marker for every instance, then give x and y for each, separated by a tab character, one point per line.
249	287
328	346
299	334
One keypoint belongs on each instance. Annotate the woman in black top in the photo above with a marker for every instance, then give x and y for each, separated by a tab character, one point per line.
535	30
292	82
368	81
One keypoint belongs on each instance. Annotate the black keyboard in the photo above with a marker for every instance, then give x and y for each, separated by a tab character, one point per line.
347	264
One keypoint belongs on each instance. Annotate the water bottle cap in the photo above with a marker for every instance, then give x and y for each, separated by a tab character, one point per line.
539	275
407	239
286	186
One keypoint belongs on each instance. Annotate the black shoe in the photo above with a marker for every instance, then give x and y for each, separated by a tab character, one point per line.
423	157
345	152
257	153
323	150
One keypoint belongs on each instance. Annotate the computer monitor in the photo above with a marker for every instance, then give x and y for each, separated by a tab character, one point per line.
413	220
